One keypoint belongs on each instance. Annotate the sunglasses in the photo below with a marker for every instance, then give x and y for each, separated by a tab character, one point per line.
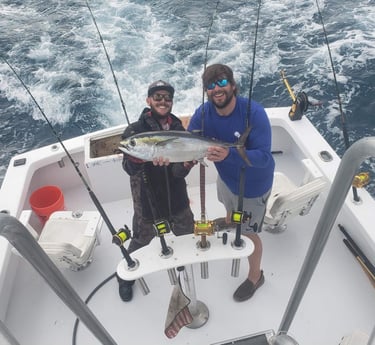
220	83
158	97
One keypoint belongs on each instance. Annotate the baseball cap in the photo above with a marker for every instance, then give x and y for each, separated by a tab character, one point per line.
160	85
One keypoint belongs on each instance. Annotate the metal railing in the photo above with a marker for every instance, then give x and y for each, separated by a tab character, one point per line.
350	163
17	234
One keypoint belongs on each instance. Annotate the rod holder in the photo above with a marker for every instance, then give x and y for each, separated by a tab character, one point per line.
143	286
235	267
204	270
172	276
198	309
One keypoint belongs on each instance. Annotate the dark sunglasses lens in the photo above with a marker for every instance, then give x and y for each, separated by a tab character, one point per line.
211	86
158	97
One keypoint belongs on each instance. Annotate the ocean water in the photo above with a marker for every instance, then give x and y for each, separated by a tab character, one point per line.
55	48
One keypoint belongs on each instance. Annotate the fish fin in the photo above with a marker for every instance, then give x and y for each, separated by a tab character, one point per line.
164	142
201	161
121	148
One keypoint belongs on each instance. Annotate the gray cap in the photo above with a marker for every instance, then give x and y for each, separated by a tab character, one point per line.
160	85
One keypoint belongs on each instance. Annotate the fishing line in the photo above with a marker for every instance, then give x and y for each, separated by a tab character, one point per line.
241	187
342	115
253	65
109	62
202	168
207	44
125	253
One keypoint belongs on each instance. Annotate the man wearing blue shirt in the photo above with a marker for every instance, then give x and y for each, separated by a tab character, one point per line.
225	117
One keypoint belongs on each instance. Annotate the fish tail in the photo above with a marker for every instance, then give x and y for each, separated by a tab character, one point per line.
241	145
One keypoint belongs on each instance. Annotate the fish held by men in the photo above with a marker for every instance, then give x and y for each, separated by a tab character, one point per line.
176	146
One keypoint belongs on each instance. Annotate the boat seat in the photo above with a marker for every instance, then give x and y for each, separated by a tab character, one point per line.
69	238
287	200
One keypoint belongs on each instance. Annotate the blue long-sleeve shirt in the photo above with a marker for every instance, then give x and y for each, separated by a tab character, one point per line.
258	176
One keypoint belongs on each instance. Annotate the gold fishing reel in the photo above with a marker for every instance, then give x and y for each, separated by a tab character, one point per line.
205	228
300	102
361	180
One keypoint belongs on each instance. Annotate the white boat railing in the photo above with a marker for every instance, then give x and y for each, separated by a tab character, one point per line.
21	239
350	163
6	337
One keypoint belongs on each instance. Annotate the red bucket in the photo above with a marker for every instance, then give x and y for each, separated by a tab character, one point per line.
46	200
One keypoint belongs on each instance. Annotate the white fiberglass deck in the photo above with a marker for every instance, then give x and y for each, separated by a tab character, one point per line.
339	300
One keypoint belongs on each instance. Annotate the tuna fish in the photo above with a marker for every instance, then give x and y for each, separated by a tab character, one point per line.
177	146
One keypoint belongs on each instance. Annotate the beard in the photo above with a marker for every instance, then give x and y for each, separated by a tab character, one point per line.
227	99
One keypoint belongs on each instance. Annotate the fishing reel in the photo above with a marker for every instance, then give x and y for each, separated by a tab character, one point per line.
240	217
299	106
203	228
361	180
300	102
162	227
121	236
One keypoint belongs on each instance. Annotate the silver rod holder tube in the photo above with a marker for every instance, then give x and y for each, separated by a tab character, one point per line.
190	291
351	161
172	276
17	235
371	340
235	267
143	286
204	270
6	337
198	309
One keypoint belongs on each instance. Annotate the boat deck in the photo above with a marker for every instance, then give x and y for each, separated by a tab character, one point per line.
339	300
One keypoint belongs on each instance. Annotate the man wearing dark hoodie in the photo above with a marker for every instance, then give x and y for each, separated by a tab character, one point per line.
158	188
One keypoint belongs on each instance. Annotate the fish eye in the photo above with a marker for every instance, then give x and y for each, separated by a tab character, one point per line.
132	142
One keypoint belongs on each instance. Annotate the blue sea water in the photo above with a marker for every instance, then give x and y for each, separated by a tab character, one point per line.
55	48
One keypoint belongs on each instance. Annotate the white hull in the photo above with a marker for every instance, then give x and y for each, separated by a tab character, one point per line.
338	301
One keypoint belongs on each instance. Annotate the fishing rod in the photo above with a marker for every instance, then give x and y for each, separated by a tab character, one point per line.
95	200
109	62
342	115
161	227
239	217
203	227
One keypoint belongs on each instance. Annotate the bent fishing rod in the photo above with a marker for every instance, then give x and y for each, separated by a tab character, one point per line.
95	200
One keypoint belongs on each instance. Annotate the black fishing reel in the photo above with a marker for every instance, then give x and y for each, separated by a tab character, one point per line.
162	227
299	106
121	236
240	217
